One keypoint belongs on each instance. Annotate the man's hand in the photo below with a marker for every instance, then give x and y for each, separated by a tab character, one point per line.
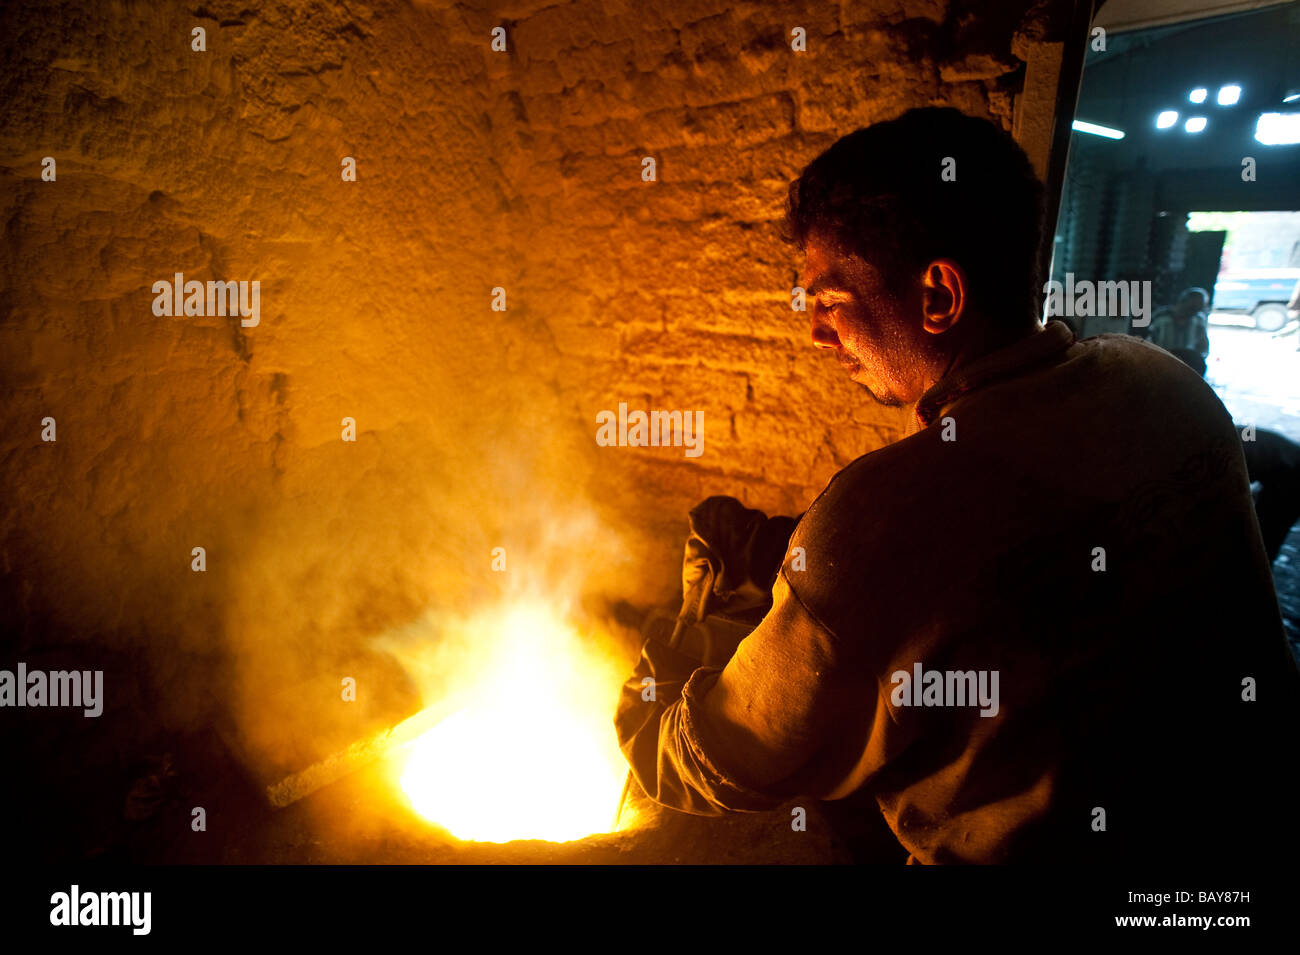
741	546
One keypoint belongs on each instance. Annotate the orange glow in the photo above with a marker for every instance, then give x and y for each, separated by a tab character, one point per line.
529	751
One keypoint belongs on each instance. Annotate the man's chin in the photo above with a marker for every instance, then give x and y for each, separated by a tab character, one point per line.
886	399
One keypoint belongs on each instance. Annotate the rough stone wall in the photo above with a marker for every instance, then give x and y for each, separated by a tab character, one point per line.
475	169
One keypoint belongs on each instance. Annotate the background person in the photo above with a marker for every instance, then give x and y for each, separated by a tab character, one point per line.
1183	330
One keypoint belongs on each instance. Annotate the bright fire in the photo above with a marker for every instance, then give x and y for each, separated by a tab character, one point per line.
529	751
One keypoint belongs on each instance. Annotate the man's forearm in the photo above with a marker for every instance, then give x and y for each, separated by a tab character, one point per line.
647	696
743	549
657	732
748	736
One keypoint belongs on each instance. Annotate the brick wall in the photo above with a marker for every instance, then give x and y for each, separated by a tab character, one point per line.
475	169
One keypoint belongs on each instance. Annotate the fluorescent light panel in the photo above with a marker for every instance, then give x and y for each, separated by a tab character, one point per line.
1278	129
1080	126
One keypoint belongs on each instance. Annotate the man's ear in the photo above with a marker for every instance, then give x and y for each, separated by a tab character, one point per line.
943	298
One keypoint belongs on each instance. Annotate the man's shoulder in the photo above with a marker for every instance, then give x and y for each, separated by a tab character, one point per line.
869	500
1118	372
1150	364
876	472
848	533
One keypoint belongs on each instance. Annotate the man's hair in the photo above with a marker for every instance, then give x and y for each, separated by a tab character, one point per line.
880	193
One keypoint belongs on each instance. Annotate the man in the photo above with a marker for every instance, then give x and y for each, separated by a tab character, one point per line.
1064	537
1184	329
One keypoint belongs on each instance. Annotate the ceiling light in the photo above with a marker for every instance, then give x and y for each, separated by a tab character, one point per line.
1198	95
1194	124
1166	119
1080	126
1278	129
1228	95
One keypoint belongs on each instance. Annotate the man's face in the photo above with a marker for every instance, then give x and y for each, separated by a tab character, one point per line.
870	330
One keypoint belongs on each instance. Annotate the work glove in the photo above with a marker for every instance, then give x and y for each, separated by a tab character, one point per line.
733	554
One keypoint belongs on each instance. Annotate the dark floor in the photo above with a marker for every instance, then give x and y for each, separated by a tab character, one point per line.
363	819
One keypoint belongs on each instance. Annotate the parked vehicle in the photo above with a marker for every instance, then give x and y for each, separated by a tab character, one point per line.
1263	293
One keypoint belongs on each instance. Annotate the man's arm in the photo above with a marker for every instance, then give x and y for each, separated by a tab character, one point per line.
742	548
750	735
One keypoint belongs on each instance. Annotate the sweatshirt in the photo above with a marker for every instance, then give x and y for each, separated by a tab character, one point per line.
1039	628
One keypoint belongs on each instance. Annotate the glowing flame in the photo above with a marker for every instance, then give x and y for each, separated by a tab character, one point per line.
529	752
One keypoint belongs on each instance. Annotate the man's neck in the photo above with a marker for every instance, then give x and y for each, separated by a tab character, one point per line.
976	347
974	366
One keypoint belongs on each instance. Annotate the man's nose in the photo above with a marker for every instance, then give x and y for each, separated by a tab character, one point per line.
823	333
